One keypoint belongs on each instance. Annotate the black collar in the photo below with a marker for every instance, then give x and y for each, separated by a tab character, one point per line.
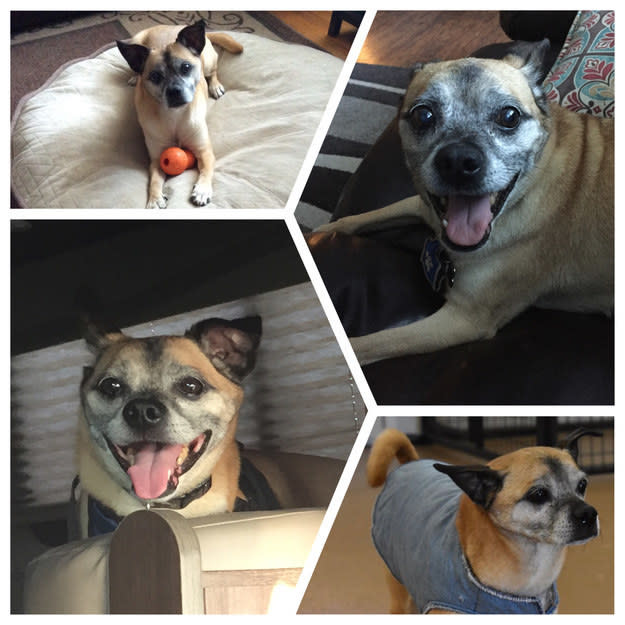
258	495
185	500
101	519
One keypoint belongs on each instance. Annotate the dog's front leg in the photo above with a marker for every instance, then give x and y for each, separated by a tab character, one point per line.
203	188
156	197
450	325
215	88
409	207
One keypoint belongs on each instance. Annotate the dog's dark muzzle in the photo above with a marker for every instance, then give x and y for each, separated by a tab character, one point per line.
143	413
584	518
460	165
175	97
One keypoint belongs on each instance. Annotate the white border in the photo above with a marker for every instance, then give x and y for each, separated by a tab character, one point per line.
287	214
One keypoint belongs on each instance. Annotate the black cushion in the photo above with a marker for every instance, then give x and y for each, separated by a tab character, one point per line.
541	357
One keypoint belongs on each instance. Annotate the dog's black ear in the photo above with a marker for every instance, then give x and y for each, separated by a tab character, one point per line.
97	331
99	336
532	60
479	482
193	37
135	55
570	443
536	67
231	345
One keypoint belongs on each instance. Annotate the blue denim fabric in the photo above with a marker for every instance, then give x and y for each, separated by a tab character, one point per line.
414	532
102	520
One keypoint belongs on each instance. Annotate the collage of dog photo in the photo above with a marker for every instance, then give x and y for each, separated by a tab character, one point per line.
312	312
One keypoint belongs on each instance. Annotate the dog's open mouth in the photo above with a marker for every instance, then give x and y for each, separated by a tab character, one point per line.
467	219
155	468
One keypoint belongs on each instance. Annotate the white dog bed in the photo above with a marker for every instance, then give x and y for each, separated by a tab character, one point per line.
76	142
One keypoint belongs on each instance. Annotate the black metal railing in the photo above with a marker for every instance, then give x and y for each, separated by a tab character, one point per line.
492	436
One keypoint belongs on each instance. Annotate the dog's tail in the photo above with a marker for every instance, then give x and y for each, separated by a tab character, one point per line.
388	446
228	43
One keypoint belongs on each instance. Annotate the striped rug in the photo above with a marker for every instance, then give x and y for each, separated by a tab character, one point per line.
369	103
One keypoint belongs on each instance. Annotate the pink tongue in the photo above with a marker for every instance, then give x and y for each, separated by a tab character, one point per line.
469	218
152	467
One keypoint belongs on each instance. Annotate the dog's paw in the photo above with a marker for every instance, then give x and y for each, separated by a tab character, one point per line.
329	227
216	90
157	202
343	225
201	194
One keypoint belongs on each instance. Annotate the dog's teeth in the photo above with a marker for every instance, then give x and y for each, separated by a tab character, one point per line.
183	455
128	453
444	222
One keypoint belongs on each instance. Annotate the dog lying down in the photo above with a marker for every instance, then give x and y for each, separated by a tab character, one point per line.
176	72
519	193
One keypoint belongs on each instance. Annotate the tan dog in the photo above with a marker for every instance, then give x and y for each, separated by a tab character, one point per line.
478	539
159	418
519	194
171	97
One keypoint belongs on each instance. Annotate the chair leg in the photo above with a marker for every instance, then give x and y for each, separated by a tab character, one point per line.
335	24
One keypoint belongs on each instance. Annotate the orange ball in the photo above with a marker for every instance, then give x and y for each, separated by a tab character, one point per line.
175	160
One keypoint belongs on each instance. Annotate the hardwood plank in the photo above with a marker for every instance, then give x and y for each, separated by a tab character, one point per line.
402	38
314	26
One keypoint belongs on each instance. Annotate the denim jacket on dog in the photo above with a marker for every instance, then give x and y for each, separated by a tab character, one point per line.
414	531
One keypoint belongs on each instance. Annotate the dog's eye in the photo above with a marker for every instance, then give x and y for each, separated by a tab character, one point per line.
185	69
538	495
508	117
110	387
422	117
581	486
190	386
155	77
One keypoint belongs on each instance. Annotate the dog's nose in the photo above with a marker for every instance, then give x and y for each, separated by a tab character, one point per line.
142	413
584	515
459	163
175	97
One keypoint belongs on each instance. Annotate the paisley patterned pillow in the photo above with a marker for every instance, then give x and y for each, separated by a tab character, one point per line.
582	78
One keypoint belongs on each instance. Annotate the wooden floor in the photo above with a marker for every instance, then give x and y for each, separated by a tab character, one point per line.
314	26
402	38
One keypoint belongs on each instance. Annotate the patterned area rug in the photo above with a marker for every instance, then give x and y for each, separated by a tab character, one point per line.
368	104
39	50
